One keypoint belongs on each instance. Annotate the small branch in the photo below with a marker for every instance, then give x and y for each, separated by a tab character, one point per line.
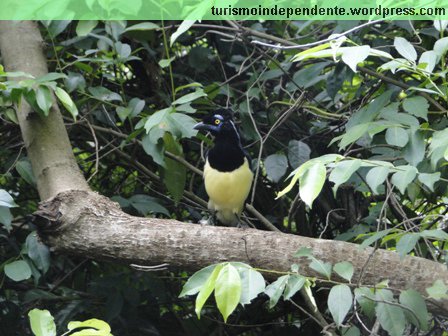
402	85
291	45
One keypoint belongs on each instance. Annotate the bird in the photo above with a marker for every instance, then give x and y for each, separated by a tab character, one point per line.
227	171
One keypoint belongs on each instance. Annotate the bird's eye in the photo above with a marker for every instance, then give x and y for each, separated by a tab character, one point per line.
217	121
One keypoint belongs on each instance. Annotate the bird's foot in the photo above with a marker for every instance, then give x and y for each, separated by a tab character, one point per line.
242	225
208	221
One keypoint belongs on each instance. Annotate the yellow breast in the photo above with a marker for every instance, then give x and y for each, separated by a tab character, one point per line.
228	190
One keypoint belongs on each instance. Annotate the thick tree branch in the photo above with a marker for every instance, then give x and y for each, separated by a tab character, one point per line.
87	224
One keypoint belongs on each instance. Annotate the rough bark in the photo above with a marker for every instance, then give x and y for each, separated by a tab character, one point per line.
45	139
87	224
79	222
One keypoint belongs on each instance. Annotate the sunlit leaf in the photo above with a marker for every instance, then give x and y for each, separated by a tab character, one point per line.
311	182
207	289
227	290
405	48
42	323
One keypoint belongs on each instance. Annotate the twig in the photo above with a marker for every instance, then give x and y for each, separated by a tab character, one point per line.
97	159
292	45
155	268
402	85
267	224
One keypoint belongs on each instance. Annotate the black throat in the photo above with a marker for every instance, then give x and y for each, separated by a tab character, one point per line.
227	154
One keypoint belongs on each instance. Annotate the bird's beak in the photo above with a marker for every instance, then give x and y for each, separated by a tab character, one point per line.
204	127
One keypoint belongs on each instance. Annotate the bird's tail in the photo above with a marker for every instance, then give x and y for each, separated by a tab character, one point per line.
227	217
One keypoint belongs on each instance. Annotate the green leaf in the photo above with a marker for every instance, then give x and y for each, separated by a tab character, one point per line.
38	252
352	331
344	269
142	26
158	119
276	165
342	171
440	25
441	46
354	55
302	169
376	176
186	108
207	289
84	27
18	270
155	150
405	48
49	77
197	281
339	302
413	300
145	204
182	125
92	327
6	199
68	103
367	306
414	152
252	284
184	26
304	252
293	285
6	218
438	291
434	234
407	243
275	290
103	94
391	317
123	112
353	134
397	136
25	171
428	61
189	97
227	290
311	182
429	179
298	153
44	99
321	267
374	237
417	106
42	323
309	293
164	63
136	105
404	177
317	52
174	173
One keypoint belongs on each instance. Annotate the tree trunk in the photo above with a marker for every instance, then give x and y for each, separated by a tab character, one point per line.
79	222
45	139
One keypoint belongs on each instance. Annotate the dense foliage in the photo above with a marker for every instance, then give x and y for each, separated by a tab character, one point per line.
132	91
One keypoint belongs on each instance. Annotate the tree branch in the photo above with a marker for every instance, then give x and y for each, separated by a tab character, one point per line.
86	224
